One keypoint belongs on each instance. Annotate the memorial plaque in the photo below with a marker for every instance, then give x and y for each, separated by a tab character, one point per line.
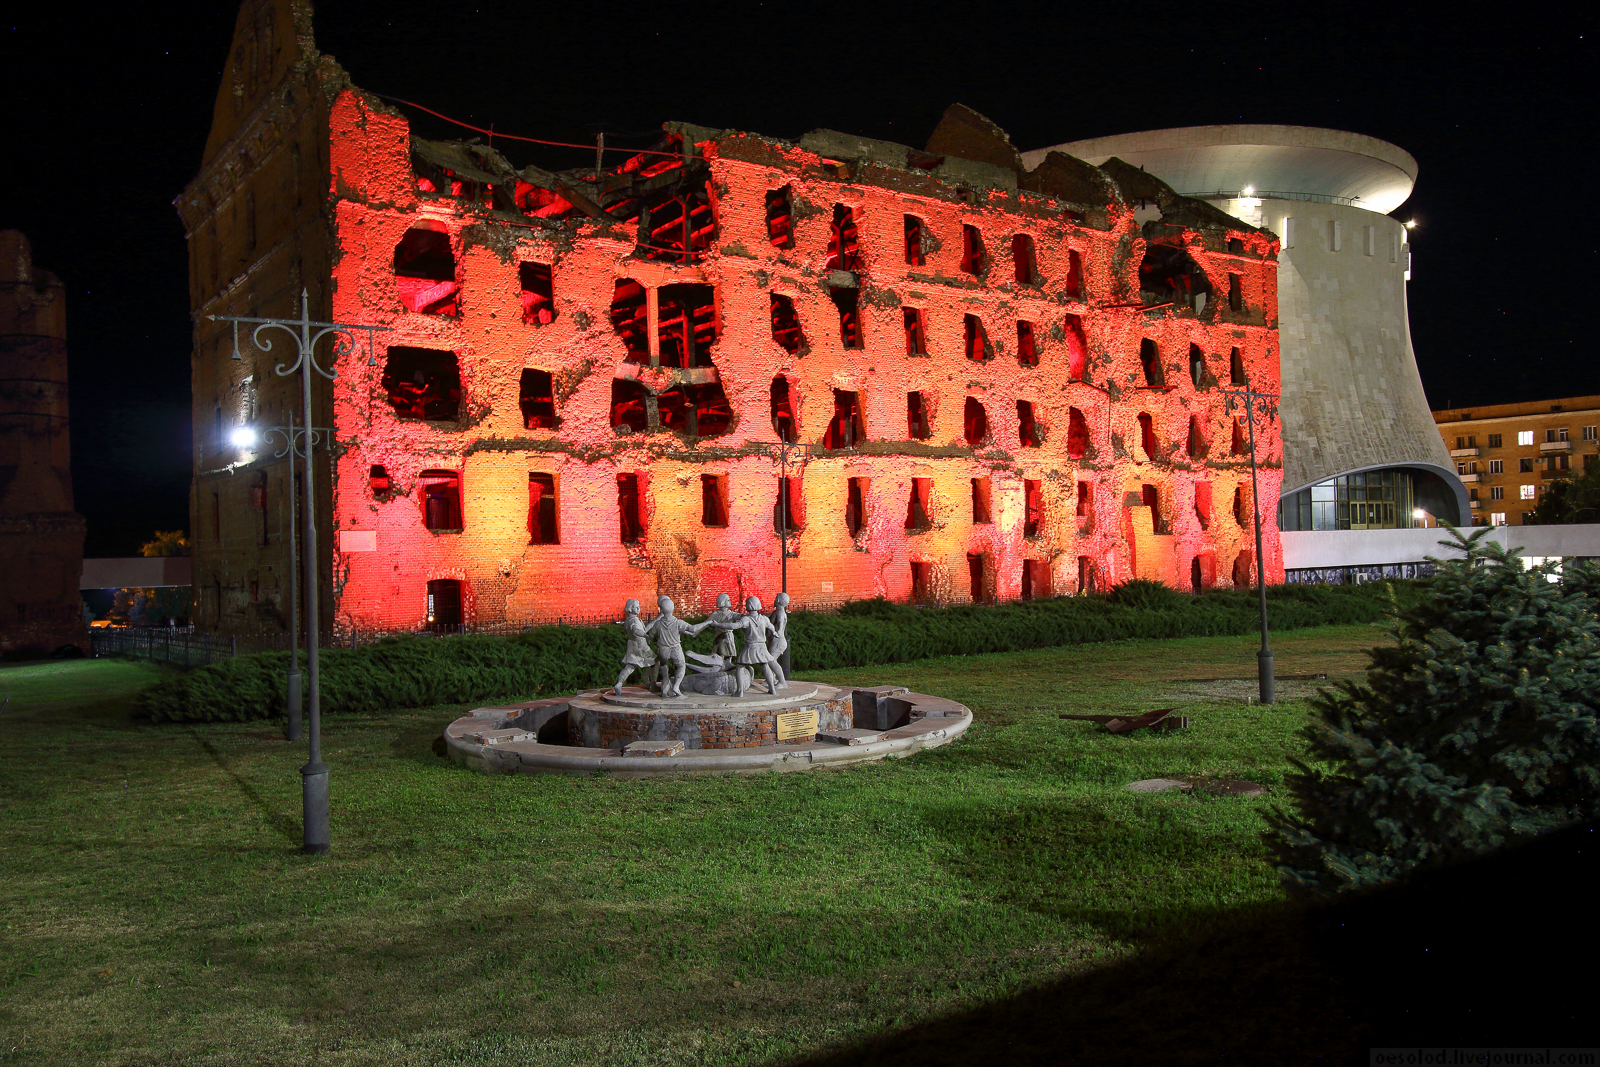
793	724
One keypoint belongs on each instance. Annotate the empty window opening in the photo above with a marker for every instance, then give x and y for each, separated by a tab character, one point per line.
1335	235
855	506
1197	366
975	569
695	410
1077	434
780	217
1147	435
784	423
1085	505
787	511
542	509
441	500
378	479
1150	363
973	259
1241	570
678	227
978	347
844	247
1241	507
687	324
848	425
1198	446
444	604
713	500
1169	275
630	508
425	270
1241	439
1077	348
1236	368
1369	241
846	299
921	581
917	427
423	383
915	255
629	405
916	334
1035	579
537	399
1196	579
982	514
1022	258
1027	428
918	506
1033	507
786	325
538	293
1027	344
1074	286
1150	498
630	319
1236	246
1202	504
975	422
1235	293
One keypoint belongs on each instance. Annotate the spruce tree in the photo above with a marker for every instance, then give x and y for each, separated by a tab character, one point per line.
1477	725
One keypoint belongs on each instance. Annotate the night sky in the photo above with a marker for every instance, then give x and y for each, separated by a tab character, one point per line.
106	119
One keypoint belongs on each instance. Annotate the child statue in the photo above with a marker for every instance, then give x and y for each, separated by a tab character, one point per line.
637	655
778	643
757	630
669	631
726	620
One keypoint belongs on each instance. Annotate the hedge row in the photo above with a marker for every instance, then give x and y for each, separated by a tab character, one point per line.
408	672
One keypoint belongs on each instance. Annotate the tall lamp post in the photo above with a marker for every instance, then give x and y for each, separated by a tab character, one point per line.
783	527
1252	402
306	334
297	441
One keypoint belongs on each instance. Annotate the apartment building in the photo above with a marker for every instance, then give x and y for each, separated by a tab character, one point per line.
1507	453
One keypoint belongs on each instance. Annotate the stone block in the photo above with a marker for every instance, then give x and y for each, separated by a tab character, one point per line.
652	748
499	737
849	737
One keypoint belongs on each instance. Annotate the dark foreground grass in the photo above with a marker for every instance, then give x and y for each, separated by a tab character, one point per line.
153	907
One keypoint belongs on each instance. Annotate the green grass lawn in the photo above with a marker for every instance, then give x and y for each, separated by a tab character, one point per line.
154	907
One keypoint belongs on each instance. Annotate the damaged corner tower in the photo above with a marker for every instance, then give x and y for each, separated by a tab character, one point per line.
41	537
998	382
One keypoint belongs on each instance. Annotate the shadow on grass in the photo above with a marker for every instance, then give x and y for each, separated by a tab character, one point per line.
1481	954
284	826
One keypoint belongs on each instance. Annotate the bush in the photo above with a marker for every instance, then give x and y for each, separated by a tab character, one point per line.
1478	725
421	671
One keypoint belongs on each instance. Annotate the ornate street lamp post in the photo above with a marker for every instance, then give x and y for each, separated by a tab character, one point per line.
306	334
297	441
1265	403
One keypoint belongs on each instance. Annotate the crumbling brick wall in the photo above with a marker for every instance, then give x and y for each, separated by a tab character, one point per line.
41	537
1119	369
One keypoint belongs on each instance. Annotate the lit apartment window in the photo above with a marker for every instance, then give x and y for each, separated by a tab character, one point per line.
1497	518
1529	492
1524	437
1497	466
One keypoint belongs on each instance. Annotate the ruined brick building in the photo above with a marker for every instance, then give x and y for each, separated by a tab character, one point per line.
41	537
996	382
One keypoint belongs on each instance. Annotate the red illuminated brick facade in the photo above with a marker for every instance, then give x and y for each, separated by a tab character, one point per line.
587	379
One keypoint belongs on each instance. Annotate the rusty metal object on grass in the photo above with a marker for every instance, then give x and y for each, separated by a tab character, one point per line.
1161	719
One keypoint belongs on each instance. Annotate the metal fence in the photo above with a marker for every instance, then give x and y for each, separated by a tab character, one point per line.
181	647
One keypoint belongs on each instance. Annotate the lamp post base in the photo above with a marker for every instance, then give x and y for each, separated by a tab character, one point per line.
314	788
1264	671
